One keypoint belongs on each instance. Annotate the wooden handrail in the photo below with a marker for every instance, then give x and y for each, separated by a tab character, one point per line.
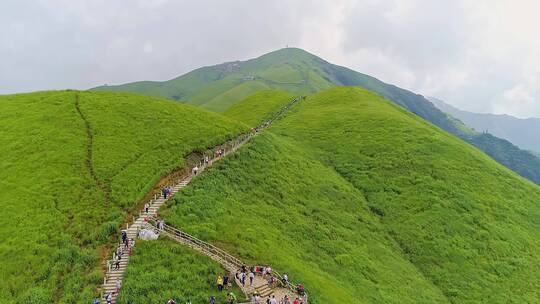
185	174
200	243
225	256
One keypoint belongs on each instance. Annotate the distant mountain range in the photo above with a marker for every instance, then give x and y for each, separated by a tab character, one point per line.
524	133
296	71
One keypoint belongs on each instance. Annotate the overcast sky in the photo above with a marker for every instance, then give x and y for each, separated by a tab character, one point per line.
479	55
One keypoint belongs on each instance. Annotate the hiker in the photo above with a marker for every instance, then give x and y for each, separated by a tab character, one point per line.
117	263
226	281
257	298
130	246
206	159
171	301
286	300
270	280
146	207
195	170
300	289
117	286
273	300
164	193
231	298
96	301
212	300
243	279
124	236
220	283
108	298
285	279
251	278
296	301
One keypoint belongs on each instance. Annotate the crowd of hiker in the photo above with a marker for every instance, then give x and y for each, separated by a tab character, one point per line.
125	248
245	276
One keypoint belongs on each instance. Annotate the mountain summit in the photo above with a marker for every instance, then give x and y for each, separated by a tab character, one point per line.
294	70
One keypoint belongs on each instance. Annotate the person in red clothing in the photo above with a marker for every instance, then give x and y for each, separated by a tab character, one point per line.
296	301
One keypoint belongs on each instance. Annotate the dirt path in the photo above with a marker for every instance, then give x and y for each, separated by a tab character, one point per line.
89	153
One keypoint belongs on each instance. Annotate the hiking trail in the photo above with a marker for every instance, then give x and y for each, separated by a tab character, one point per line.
147	220
89	152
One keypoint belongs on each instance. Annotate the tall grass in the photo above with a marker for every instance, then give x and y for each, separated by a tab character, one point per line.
271	203
468	224
56	222
161	270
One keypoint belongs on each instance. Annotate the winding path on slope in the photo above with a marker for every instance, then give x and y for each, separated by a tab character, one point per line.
89	152
114	277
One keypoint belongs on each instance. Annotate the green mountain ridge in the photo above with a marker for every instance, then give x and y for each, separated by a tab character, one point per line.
296	71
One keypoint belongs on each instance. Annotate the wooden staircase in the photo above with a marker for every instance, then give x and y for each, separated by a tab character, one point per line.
231	263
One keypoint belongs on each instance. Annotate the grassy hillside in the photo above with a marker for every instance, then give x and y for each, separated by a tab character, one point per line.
161	270
366	203
259	107
73	164
468	224
301	73
273	203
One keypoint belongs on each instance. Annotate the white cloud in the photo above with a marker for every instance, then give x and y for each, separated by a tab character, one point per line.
518	100
475	54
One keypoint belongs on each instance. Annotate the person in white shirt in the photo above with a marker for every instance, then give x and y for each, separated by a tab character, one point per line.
251	278
117	286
